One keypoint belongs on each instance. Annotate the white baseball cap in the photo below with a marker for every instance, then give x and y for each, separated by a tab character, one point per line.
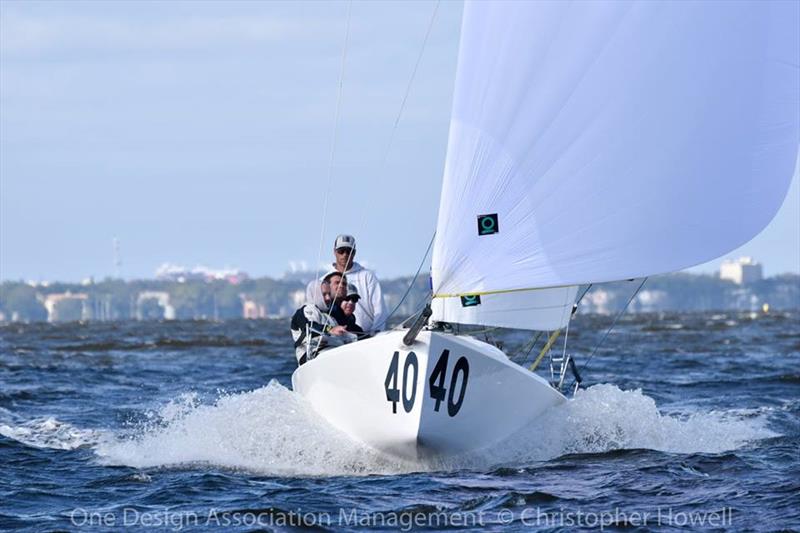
345	241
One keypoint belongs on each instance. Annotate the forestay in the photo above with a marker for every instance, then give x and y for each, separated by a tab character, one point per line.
600	141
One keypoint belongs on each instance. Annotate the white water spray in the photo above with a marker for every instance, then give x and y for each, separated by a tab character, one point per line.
273	431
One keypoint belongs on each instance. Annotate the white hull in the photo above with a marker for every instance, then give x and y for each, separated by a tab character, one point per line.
384	393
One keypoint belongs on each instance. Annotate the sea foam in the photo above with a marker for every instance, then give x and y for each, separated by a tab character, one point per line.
270	430
48	432
274	431
604	418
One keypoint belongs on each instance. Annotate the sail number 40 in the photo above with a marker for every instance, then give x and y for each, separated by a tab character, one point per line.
452	393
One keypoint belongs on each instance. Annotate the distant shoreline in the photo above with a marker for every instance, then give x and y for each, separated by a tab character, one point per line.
198	299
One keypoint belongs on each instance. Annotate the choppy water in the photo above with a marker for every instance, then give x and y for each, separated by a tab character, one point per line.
689	421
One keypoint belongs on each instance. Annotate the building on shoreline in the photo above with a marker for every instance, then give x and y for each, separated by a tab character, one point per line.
741	271
114	299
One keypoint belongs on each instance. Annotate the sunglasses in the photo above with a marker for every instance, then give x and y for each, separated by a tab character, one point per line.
344	251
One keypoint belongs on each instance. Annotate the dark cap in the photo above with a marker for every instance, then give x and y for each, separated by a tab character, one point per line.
352	293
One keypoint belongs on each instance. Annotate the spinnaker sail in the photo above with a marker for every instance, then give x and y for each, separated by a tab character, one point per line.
600	141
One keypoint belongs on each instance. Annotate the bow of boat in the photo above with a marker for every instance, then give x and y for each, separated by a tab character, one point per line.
444	395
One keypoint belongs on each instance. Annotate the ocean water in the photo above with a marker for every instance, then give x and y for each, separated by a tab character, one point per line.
686	422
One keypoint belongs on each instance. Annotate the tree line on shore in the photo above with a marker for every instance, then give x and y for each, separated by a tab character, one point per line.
115	299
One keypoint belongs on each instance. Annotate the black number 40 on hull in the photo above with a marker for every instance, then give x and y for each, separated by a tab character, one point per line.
436	382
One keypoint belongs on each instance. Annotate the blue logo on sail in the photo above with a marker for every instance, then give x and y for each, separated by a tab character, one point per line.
471	300
487	224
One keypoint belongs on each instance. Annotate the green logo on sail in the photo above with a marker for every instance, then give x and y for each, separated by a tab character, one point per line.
470	301
487	224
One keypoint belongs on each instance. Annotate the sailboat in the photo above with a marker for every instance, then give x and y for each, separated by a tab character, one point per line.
589	142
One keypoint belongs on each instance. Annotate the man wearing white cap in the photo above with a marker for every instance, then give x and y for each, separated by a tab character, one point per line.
369	312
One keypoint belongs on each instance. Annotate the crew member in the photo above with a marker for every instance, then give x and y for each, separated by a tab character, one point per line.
348	307
313	328
369	312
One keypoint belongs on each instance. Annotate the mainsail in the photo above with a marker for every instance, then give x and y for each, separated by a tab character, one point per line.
600	141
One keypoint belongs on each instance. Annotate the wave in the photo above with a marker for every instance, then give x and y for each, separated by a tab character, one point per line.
48	432
273	431
169	343
270	430
604	418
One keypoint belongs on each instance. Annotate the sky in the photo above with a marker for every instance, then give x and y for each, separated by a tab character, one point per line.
201	133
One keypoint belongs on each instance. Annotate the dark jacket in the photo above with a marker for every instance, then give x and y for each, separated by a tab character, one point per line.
308	323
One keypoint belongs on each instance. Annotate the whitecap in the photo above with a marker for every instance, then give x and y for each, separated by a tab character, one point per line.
604	418
269	430
48	432
273	431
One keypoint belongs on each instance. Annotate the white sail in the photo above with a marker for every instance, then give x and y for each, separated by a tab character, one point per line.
542	309
598	141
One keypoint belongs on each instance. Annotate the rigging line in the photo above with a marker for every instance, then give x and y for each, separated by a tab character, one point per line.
613	323
572	312
402	108
528	348
572	309
566	336
578	301
549	344
563	370
410	285
499	291
408	290
415	313
334	138
392	134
